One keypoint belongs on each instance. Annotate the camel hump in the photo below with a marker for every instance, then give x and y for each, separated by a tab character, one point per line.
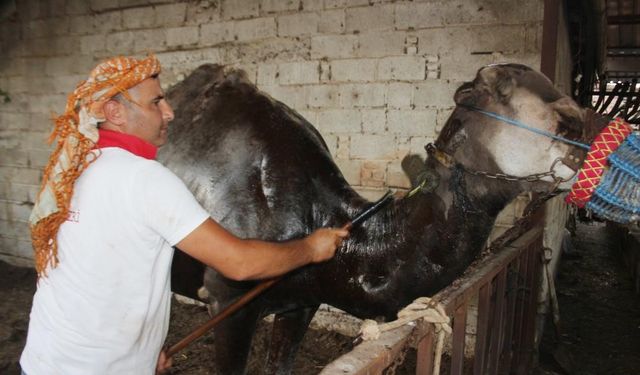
218	75
208	78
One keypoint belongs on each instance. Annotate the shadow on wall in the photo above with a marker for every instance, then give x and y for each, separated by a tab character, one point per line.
10	41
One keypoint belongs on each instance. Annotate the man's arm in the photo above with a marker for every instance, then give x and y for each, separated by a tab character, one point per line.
240	259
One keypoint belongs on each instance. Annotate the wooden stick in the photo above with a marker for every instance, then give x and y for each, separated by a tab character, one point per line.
235	306
222	315
258	289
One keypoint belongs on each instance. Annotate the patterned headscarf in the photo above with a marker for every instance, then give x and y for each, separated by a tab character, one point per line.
77	133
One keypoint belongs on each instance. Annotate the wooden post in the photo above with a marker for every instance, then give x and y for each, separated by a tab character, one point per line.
549	39
482	329
498	325
459	331
424	361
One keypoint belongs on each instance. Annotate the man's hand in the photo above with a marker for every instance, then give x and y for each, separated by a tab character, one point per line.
164	363
324	241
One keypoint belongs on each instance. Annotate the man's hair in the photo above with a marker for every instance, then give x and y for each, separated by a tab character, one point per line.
121	98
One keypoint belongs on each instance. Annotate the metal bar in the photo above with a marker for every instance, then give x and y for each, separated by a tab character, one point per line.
512	300
625	95
527	344
482	329
498	325
459	331
519	317
623	19
607	102
601	95
618	102
549	39
424	361
614	75
521	353
623	51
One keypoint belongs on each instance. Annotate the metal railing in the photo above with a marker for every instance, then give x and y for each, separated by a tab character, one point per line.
506	285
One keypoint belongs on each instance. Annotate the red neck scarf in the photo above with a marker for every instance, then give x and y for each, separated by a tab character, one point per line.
131	143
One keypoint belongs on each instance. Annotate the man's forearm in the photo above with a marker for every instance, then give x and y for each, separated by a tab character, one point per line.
261	260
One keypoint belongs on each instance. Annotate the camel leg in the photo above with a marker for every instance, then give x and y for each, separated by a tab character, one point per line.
288	330
232	341
233	335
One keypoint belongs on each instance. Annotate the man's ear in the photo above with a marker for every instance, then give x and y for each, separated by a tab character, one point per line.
114	112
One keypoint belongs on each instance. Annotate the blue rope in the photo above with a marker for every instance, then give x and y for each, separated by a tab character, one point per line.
529	128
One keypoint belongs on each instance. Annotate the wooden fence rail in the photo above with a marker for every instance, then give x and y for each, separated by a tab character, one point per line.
506	285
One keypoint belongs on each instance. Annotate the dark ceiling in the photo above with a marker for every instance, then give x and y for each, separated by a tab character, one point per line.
622	39
605	43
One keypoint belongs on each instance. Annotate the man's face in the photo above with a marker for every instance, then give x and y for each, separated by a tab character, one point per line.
148	117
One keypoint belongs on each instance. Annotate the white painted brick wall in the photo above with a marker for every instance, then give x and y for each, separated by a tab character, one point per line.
418	15
375	77
435	93
108	22
218	32
353	70
170	15
323	96
396	176
299	72
307	5
333	46
274	6
182	36
372	147
412	122
293	96
121	41
150	40
373	173
362	95
235	9
416	144
332	21
76	7
342	148
298	24
350	170
340	121
139	18
259	28
400	94
402	68
380	44
369	18
374	121
267	74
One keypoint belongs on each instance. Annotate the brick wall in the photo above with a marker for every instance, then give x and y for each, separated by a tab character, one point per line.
375	77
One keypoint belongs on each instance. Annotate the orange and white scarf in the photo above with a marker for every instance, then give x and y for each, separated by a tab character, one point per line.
76	132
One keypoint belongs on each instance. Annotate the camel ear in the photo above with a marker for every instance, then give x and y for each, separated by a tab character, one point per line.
569	110
504	86
413	166
491	82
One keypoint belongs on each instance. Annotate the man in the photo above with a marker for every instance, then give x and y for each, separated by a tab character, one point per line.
104	225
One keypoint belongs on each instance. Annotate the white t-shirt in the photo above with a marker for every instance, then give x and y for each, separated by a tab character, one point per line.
105	308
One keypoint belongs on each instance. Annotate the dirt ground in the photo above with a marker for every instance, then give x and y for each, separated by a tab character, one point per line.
599	311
